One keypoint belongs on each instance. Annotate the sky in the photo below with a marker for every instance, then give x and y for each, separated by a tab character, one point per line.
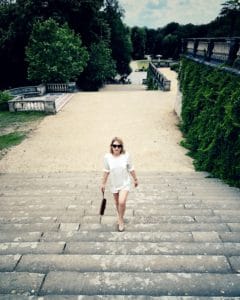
158	13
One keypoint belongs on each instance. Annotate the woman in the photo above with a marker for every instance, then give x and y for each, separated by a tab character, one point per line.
117	163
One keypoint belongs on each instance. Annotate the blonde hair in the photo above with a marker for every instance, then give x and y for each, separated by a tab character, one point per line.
120	141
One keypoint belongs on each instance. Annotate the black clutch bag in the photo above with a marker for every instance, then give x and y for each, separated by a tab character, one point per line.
103	205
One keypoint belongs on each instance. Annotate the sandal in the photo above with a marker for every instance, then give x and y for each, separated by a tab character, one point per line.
121	227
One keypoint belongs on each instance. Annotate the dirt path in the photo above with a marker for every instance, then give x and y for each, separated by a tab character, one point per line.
77	137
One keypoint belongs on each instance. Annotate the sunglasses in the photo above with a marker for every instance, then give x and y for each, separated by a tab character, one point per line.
116	146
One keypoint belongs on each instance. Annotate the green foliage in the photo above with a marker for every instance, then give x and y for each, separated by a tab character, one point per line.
150	82
100	68
175	67
170	46
211	119
11	139
4	96
54	53
9	119
120	41
15	127
138	37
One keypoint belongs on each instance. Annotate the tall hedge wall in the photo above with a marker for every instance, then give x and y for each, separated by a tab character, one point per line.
211	119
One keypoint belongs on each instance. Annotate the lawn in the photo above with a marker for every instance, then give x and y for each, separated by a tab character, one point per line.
142	64
14	127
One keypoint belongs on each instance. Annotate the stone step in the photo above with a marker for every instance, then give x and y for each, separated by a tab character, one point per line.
121	248
110	297
140	283
90	236
108	223
117	297
163	227
118	263
109	283
86	236
146	248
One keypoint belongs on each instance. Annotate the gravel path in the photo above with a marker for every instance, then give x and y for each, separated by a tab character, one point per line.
77	137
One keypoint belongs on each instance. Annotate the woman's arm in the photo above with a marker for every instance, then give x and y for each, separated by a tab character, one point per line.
104	181
134	176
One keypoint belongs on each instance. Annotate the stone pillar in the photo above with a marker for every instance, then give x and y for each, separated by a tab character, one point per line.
233	50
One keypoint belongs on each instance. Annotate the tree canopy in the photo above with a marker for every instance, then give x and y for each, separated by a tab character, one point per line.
99	23
54	53
91	20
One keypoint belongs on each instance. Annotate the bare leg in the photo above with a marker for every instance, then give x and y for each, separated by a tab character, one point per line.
116	198
122	205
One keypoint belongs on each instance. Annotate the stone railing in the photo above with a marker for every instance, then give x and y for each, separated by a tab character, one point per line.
219	50
34	98
28	91
19	103
60	87
159	79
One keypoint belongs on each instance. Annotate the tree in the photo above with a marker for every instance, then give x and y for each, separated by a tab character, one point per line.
16	23
231	9
100	68
151	39
138	37
170	46
54	53
120	41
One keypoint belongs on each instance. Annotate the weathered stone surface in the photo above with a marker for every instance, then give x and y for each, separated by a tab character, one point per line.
208	219
139	283
124	263
176	212
235	263
234	226
29	227
164	227
26	247
8	262
136	248
20	283
69	226
20	236
230	236
182	237
27	220
206	236
88	236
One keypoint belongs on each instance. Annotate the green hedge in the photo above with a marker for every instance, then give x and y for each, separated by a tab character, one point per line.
150	81
211	119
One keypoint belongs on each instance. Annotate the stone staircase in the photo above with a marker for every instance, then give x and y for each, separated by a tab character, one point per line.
182	238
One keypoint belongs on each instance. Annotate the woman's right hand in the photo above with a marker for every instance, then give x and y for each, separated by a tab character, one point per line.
103	188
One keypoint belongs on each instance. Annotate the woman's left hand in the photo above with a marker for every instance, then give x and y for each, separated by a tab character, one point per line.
135	182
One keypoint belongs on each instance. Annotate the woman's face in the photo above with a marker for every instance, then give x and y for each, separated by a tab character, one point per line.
116	147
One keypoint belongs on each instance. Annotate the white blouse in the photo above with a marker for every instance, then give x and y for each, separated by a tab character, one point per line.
119	168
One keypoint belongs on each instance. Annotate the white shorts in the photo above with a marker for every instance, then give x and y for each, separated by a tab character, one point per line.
116	190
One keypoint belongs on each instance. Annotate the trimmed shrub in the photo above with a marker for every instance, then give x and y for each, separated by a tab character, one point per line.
211	119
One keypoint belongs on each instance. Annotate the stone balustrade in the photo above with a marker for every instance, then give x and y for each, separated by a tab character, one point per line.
60	87
220	50
34	98
20	103
159	79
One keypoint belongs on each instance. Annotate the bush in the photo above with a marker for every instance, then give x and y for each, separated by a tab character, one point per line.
4	97
211	119
150	82
175	67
